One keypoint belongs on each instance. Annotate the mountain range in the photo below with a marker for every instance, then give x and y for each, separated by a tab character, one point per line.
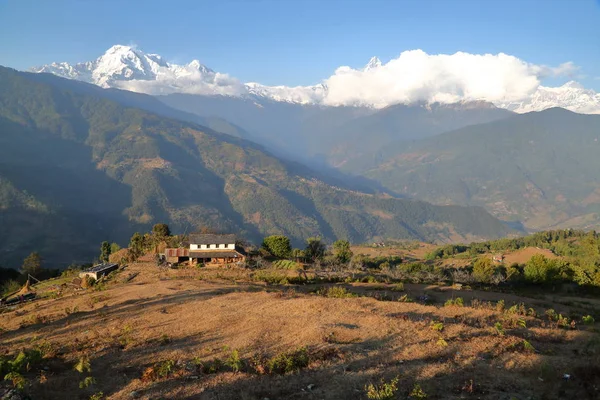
129	68
80	164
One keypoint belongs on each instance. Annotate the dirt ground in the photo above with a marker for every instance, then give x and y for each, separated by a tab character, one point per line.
192	317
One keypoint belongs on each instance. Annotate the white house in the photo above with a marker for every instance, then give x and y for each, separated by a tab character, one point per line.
207	248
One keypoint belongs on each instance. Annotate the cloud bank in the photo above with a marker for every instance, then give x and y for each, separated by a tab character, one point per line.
418	76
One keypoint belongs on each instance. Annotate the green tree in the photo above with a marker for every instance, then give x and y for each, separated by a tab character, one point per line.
277	245
539	269
105	251
136	246
32	264
342	251
315	249
161	231
483	269
114	247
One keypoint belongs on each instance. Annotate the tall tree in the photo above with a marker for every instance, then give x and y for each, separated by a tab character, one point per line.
315	249
161	231
32	264
342	251
105	251
136	245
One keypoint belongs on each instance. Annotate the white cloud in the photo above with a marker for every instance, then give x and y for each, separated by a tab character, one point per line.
418	76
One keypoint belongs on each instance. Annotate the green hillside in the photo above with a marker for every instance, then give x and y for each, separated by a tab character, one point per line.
84	169
540	168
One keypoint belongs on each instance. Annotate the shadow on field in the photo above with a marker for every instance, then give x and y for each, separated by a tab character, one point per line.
338	370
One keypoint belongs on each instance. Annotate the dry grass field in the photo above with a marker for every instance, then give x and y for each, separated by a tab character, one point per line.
224	334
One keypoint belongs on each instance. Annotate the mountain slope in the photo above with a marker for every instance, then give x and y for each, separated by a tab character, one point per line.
358	144
106	170
539	167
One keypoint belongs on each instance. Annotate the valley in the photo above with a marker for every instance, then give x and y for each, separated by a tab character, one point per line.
288	200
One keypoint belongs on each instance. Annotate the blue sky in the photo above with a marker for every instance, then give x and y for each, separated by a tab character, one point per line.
301	42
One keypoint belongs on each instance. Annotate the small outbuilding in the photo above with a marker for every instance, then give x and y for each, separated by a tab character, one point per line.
98	271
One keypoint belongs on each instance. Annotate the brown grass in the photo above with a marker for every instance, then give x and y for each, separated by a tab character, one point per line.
172	320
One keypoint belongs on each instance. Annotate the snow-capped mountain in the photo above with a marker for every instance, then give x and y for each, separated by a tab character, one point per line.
572	96
129	68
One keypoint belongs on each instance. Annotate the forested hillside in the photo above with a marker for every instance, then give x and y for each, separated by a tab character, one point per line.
76	169
540	168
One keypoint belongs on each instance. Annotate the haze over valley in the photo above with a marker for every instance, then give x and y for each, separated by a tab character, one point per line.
299	200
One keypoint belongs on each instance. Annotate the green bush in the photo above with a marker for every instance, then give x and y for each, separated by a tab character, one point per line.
337	292
588	320
383	391
278	246
483	270
539	269
289	362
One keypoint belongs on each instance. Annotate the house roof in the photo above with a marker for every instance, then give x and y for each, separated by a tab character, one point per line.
211	238
214	254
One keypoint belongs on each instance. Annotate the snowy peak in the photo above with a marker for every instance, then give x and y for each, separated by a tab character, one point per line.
373	63
571	96
375	85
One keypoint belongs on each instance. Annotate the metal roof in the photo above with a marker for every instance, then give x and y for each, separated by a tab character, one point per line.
101	267
211	238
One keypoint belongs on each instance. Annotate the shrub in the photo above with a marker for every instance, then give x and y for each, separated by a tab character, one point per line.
588	319
483	270
286	264
17	379
288	362
417	392
337	292
97	396
398	287
234	361
454	302
165	368
436	326
383	391
87	382
270	277
83	365
499	328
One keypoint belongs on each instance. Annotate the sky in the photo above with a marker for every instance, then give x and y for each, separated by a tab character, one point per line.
302	42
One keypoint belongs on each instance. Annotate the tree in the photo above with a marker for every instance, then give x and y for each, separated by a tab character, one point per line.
114	247
539	269
136	246
483	269
32	264
105	251
277	245
315	249
161	231
342	251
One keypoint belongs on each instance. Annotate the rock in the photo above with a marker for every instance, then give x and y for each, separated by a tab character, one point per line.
134	394
311	386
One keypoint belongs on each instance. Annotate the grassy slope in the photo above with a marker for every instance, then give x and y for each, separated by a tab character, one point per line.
352	342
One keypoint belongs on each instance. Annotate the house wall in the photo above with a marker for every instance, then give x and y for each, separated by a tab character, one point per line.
212	246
